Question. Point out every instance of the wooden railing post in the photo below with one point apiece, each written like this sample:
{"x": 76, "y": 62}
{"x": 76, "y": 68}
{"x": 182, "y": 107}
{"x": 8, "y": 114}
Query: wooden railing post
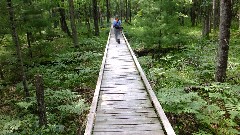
{"x": 40, "y": 100}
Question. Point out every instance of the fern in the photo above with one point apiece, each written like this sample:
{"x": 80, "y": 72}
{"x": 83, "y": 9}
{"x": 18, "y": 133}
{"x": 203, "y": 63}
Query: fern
{"x": 74, "y": 108}
{"x": 24, "y": 105}
{"x": 8, "y": 125}
{"x": 177, "y": 101}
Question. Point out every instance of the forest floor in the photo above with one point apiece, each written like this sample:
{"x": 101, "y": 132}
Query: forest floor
{"x": 69, "y": 75}
{"x": 181, "y": 70}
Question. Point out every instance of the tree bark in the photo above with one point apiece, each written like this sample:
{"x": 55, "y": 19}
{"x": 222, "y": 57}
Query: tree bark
{"x": 29, "y": 35}
{"x": 17, "y": 44}
{"x": 40, "y": 100}
{"x": 87, "y": 20}
{"x": 1, "y": 72}
{"x": 54, "y": 14}
{"x": 73, "y": 25}
{"x": 130, "y": 10}
{"x": 95, "y": 17}
{"x": 63, "y": 22}
{"x": 239, "y": 19}
{"x": 215, "y": 15}
{"x": 121, "y": 10}
{"x": 100, "y": 17}
{"x": 206, "y": 23}
{"x": 126, "y": 10}
{"x": 224, "y": 37}
{"x": 193, "y": 14}
{"x": 108, "y": 11}
{"x": 181, "y": 18}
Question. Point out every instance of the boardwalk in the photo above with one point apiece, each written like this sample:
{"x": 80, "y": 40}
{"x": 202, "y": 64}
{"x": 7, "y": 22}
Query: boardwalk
{"x": 123, "y": 105}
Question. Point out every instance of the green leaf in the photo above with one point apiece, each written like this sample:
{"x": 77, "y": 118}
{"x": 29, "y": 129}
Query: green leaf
{"x": 24, "y": 105}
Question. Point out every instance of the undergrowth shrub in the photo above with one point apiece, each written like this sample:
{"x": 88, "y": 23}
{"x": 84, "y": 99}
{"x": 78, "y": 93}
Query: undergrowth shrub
{"x": 183, "y": 81}
{"x": 69, "y": 76}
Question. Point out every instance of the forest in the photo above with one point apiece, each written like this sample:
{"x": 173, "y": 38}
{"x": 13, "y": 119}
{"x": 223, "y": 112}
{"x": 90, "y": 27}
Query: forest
{"x": 51, "y": 53}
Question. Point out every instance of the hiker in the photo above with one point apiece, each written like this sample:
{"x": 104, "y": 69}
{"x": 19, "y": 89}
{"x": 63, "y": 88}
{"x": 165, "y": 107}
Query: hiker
{"x": 117, "y": 28}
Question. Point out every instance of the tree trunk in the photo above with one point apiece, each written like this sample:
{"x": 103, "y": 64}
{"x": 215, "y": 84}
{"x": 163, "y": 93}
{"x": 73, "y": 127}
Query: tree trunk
{"x": 108, "y": 11}
{"x": 206, "y": 23}
{"x": 181, "y": 18}
{"x": 130, "y": 10}
{"x": 126, "y": 10}
{"x": 239, "y": 19}
{"x": 100, "y": 17}
{"x": 224, "y": 37}
{"x": 214, "y": 15}
{"x": 87, "y": 20}
{"x": 121, "y": 10}
{"x": 73, "y": 25}
{"x": 95, "y": 17}
{"x": 40, "y": 100}
{"x": 29, "y": 35}
{"x": 193, "y": 13}
{"x": 17, "y": 44}
{"x": 1, "y": 72}
{"x": 90, "y": 11}
{"x": 63, "y": 22}
{"x": 54, "y": 14}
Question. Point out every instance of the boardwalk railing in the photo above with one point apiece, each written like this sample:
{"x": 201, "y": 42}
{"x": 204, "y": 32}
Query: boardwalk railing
{"x": 92, "y": 114}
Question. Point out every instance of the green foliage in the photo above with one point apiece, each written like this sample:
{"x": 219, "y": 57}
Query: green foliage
{"x": 74, "y": 108}
{"x": 181, "y": 102}
{"x": 183, "y": 78}
{"x": 24, "y": 105}
{"x": 64, "y": 71}
{"x": 4, "y": 20}
{"x": 8, "y": 126}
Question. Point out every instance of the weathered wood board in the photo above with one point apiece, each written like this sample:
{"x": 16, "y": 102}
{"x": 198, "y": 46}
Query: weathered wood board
{"x": 124, "y": 107}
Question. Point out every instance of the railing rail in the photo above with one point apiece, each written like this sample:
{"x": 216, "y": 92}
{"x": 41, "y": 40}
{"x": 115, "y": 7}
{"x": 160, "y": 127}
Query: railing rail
{"x": 93, "y": 108}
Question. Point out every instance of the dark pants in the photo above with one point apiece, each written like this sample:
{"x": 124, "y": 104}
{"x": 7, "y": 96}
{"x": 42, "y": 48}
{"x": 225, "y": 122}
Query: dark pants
{"x": 117, "y": 34}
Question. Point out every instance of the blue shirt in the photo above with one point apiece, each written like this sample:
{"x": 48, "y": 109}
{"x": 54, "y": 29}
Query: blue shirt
{"x": 115, "y": 23}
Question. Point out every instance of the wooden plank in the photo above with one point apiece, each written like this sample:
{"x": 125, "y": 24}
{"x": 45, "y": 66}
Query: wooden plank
{"x": 124, "y": 128}
{"x": 126, "y": 122}
{"x": 121, "y": 106}
{"x": 125, "y": 95}
{"x": 109, "y": 79}
{"x": 122, "y": 88}
{"x": 167, "y": 126}
{"x": 123, "y": 82}
{"x": 123, "y": 98}
{"x": 123, "y": 91}
{"x": 148, "y": 114}
{"x": 127, "y": 117}
{"x": 130, "y": 119}
{"x": 156, "y": 132}
{"x": 125, "y": 111}
{"x": 137, "y": 127}
{"x": 133, "y": 102}
{"x": 135, "y": 85}
{"x": 92, "y": 113}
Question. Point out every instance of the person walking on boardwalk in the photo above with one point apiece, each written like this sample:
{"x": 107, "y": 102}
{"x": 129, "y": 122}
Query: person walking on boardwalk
{"x": 117, "y": 28}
